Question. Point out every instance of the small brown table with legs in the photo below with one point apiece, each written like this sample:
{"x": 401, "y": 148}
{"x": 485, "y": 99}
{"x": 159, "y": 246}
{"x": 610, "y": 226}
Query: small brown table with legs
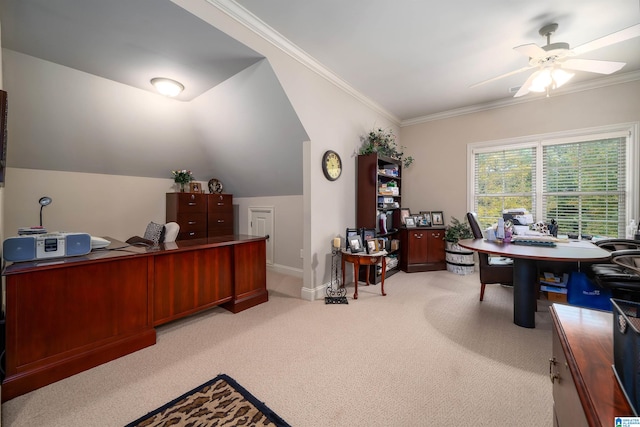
{"x": 363, "y": 258}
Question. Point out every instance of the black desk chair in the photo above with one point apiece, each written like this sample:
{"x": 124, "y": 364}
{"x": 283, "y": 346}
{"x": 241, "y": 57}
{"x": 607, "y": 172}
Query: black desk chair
{"x": 621, "y": 276}
{"x": 492, "y": 269}
{"x": 618, "y": 244}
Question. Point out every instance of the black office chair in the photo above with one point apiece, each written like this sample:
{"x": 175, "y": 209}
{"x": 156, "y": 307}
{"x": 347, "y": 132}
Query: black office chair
{"x": 499, "y": 270}
{"x": 621, "y": 276}
{"x": 618, "y": 244}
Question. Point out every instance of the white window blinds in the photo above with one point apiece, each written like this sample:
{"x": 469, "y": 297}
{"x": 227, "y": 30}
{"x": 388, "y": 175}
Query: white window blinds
{"x": 584, "y": 186}
{"x": 586, "y": 180}
{"x": 504, "y": 179}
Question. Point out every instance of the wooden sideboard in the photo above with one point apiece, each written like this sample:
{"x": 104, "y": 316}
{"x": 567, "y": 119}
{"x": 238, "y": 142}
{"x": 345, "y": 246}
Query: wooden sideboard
{"x": 200, "y": 215}
{"x": 585, "y": 389}
{"x": 422, "y": 249}
{"x": 67, "y": 315}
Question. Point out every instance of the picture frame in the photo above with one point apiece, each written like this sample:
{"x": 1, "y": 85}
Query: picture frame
{"x": 367, "y": 234}
{"x": 404, "y": 213}
{"x": 355, "y": 244}
{"x": 372, "y": 246}
{"x": 194, "y": 187}
{"x": 410, "y": 222}
{"x": 426, "y": 218}
{"x": 437, "y": 218}
{"x": 348, "y": 234}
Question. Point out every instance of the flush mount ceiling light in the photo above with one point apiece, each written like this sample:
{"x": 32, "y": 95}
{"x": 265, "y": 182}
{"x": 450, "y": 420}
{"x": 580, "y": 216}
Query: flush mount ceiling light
{"x": 166, "y": 86}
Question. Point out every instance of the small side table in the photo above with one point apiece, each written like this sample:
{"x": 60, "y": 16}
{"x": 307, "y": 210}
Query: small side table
{"x": 363, "y": 258}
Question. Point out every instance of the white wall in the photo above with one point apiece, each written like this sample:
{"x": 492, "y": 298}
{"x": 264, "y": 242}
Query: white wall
{"x": 287, "y": 227}
{"x": 438, "y": 178}
{"x": 334, "y": 120}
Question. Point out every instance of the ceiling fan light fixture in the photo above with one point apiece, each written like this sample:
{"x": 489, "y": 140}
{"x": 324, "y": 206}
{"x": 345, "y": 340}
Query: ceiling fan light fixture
{"x": 167, "y": 87}
{"x": 541, "y": 81}
{"x": 560, "y": 77}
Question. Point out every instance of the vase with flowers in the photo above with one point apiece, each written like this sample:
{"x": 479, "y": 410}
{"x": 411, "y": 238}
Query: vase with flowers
{"x": 182, "y": 178}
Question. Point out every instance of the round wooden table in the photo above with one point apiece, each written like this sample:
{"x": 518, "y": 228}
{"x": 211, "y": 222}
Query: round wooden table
{"x": 363, "y": 258}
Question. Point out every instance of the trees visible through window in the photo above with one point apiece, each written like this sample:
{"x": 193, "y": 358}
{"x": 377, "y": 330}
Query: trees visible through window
{"x": 581, "y": 182}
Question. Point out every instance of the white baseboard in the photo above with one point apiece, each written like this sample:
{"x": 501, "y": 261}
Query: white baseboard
{"x": 283, "y": 269}
{"x": 312, "y": 294}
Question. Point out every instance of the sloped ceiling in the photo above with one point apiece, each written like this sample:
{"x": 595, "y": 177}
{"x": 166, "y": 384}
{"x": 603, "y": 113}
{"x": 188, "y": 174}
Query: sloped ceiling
{"x": 73, "y": 71}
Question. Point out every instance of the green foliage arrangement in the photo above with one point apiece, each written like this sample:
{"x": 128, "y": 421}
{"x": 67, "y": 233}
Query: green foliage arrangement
{"x": 383, "y": 142}
{"x": 457, "y": 231}
{"x": 182, "y": 177}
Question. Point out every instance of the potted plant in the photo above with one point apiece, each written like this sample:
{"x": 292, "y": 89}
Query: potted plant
{"x": 459, "y": 260}
{"x": 381, "y": 141}
{"x": 182, "y": 178}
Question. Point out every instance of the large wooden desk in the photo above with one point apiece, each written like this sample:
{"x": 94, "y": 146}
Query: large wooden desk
{"x": 525, "y": 273}
{"x": 585, "y": 389}
{"x": 66, "y": 315}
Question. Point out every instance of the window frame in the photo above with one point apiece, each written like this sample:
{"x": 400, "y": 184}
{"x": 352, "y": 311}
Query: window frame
{"x": 632, "y": 161}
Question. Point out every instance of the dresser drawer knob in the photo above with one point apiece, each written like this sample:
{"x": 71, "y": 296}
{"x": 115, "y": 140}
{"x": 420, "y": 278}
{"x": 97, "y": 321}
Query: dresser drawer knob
{"x": 192, "y": 222}
{"x": 192, "y": 203}
{"x": 220, "y": 220}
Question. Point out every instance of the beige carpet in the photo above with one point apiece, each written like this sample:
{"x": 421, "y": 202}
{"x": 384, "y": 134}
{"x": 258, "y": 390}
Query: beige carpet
{"x": 427, "y": 354}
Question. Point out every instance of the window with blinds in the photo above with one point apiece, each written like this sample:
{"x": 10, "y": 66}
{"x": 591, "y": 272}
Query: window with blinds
{"x": 586, "y": 183}
{"x": 504, "y": 179}
{"x": 583, "y": 186}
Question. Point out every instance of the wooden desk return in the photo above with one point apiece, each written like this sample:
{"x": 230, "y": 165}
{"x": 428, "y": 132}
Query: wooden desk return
{"x": 363, "y": 258}
{"x": 525, "y": 268}
{"x": 585, "y": 389}
{"x": 66, "y": 315}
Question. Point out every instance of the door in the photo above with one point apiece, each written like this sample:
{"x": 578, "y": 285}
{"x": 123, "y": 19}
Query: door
{"x": 261, "y": 224}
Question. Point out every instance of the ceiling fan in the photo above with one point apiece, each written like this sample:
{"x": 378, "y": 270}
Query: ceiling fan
{"x": 554, "y": 62}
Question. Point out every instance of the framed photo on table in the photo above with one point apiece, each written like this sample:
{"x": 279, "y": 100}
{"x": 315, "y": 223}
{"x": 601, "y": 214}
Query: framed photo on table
{"x": 410, "y": 222}
{"x": 367, "y": 234}
{"x": 437, "y": 218}
{"x": 348, "y": 234}
{"x": 372, "y": 246}
{"x": 355, "y": 244}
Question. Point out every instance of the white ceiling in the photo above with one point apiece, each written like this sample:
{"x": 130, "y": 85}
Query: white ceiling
{"x": 418, "y": 58}
{"x": 413, "y": 58}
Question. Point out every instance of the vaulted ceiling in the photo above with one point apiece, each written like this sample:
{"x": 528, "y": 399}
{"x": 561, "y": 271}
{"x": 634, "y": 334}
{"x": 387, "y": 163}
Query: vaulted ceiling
{"x": 412, "y": 59}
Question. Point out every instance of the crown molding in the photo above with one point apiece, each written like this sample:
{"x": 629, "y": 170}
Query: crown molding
{"x": 578, "y": 87}
{"x": 259, "y": 27}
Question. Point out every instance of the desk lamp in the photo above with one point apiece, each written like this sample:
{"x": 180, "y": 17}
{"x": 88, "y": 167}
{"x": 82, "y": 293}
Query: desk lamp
{"x": 44, "y": 201}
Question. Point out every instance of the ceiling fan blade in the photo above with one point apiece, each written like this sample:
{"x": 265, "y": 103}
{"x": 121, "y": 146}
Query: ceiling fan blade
{"x": 501, "y": 76}
{"x": 593, "y": 65}
{"x": 524, "y": 89}
{"x": 617, "y": 37}
{"x": 531, "y": 50}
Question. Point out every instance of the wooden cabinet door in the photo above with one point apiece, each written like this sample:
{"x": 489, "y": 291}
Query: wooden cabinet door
{"x": 186, "y": 282}
{"x": 418, "y": 250}
{"x": 436, "y": 246}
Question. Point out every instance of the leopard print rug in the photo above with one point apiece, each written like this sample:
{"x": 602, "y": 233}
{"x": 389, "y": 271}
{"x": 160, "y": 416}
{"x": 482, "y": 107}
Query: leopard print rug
{"x": 219, "y": 402}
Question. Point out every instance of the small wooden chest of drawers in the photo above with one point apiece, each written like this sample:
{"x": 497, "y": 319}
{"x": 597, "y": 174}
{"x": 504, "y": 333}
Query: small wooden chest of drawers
{"x": 200, "y": 215}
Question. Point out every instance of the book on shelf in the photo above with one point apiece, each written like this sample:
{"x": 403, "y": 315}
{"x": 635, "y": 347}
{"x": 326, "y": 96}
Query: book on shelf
{"x": 555, "y": 289}
{"x": 555, "y": 280}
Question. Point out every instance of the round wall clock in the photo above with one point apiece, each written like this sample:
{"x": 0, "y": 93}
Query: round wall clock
{"x": 331, "y": 165}
{"x": 215, "y": 186}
